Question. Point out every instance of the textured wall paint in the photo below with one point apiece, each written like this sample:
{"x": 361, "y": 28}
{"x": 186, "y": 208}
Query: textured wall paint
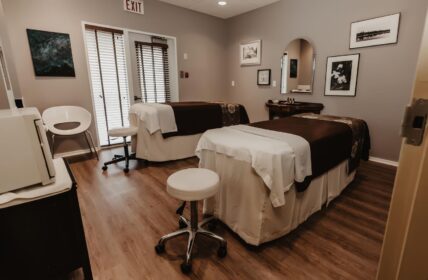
{"x": 386, "y": 72}
{"x": 201, "y": 36}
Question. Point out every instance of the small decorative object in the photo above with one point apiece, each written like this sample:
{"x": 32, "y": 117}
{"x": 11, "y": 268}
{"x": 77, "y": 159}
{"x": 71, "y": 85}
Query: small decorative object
{"x": 373, "y": 32}
{"x": 51, "y": 53}
{"x": 341, "y": 75}
{"x": 134, "y": 6}
{"x": 251, "y": 53}
{"x": 263, "y": 77}
{"x": 293, "y": 68}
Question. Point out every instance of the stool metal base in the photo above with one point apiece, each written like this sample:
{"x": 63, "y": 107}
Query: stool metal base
{"x": 118, "y": 158}
{"x": 193, "y": 229}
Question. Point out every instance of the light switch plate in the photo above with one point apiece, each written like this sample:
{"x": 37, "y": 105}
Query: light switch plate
{"x": 185, "y": 56}
{"x": 274, "y": 83}
{"x": 233, "y": 83}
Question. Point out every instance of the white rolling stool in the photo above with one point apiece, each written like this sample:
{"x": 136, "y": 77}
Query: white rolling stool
{"x": 122, "y": 132}
{"x": 192, "y": 185}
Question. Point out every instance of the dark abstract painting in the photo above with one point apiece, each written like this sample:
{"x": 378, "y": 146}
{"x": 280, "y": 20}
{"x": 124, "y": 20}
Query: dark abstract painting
{"x": 51, "y": 53}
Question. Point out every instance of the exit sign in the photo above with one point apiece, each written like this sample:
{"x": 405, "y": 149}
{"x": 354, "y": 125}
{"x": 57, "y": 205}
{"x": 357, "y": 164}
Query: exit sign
{"x": 134, "y": 6}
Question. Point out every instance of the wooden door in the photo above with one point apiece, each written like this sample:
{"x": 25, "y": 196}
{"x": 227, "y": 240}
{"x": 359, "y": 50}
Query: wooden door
{"x": 405, "y": 249}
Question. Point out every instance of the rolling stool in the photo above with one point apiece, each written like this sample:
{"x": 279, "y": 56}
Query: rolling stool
{"x": 192, "y": 185}
{"x": 122, "y": 132}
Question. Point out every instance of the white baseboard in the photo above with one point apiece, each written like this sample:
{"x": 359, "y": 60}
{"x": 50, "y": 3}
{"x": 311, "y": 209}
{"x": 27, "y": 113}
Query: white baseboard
{"x": 384, "y": 161}
{"x": 74, "y": 153}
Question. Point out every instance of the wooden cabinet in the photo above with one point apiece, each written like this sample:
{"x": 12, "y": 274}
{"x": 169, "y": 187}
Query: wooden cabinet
{"x": 43, "y": 239}
{"x": 282, "y": 109}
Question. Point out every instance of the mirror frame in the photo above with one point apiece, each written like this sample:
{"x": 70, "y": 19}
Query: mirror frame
{"x": 285, "y": 52}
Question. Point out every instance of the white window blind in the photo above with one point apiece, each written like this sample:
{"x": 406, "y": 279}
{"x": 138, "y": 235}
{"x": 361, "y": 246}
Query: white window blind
{"x": 107, "y": 63}
{"x": 153, "y": 71}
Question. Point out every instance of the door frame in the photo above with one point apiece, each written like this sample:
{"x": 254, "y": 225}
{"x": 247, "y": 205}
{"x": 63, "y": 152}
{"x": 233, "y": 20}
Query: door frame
{"x": 173, "y": 65}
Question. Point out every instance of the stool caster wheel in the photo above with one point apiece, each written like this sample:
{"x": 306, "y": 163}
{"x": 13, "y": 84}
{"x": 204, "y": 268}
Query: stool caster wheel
{"x": 212, "y": 225}
{"x": 186, "y": 268}
{"x": 126, "y": 170}
{"x": 222, "y": 251}
{"x": 104, "y": 168}
{"x": 159, "y": 249}
{"x": 182, "y": 224}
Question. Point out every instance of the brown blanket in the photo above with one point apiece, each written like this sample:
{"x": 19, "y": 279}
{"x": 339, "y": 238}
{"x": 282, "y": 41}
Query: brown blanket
{"x": 197, "y": 117}
{"x": 331, "y": 142}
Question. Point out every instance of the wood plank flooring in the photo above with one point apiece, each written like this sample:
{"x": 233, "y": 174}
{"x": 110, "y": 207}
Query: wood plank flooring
{"x": 125, "y": 215}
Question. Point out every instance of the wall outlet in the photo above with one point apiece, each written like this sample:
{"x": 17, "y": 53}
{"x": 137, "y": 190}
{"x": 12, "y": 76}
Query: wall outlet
{"x": 274, "y": 83}
{"x": 185, "y": 56}
{"x": 233, "y": 83}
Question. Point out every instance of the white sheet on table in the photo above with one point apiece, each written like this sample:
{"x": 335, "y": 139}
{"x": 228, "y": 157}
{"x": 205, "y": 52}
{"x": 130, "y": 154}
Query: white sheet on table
{"x": 156, "y": 116}
{"x": 272, "y": 159}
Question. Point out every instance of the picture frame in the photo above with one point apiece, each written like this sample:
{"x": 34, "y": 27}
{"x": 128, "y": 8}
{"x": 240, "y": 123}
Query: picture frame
{"x": 51, "y": 53}
{"x": 375, "y": 32}
{"x": 294, "y": 68}
{"x": 342, "y": 75}
{"x": 251, "y": 53}
{"x": 263, "y": 77}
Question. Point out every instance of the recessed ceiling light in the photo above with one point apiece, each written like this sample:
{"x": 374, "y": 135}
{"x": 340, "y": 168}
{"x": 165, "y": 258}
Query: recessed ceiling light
{"x": 222, "y": 3}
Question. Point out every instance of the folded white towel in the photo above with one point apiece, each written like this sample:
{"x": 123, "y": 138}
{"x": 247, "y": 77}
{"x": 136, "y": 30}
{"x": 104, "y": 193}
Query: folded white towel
{"x": 155, "y": 116}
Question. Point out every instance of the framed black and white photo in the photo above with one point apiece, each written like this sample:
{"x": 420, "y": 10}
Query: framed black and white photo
{"x": 263, "y": 77}
{"x": 293, "y": 68}
{"x": 342, "y": 75}
{"x": 374, "y": 32}
{"x": 251, "y": 53}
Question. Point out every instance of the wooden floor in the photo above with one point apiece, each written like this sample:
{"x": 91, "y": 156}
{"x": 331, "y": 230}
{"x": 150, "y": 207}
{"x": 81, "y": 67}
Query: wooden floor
{"x": 125, "y": 215}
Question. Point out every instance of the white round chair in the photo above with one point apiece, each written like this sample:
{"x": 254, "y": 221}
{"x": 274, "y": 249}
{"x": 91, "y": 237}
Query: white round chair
{"x": 61, "y": 115}
{"x": 192, "y": 185}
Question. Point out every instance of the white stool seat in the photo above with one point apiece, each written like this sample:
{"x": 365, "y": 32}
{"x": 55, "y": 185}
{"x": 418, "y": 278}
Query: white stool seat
{"x": 123, "y": 131}
{"x": 193, "y": 184}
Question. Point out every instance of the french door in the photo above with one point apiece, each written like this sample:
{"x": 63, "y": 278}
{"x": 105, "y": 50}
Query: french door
{"x": 108, "y": 73}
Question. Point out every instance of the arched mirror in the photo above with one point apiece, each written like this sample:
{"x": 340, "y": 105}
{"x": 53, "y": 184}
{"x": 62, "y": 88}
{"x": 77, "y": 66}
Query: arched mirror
{"x": 298, "y": 67}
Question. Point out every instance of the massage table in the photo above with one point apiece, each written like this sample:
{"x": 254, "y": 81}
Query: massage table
{"x": 171, "y": 131}
{"x": 272, "y": 180}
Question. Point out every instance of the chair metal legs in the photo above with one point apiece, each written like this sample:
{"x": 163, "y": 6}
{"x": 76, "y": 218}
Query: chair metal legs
{"x": 89, "y": 141}
{"x": 87, "y": 132}
{"x": 193, "y": 229}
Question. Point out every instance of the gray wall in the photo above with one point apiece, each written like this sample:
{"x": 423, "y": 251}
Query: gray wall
{"x": 201, "y": 36}
{"x": 386, "y": 72}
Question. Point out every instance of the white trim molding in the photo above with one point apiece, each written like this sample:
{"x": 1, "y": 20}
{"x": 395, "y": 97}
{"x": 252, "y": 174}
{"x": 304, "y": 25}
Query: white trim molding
{"x": 384, "y": 161}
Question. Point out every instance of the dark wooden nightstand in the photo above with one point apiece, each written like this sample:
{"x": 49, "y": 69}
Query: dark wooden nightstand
{"x": 283, "y": 109}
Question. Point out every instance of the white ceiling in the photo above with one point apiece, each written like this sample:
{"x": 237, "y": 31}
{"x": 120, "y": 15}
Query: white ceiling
{"x": 211, "y": 7}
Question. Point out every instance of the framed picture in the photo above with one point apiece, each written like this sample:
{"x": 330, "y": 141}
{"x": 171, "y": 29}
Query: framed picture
{"x": 263, "y": 77}
{"x": 374, "y": 32}
{"x": 341, "y": 75}
{"x": 51, "y": 53}
{"x": 251, "y": 53}
{"x": 293, "y": 68}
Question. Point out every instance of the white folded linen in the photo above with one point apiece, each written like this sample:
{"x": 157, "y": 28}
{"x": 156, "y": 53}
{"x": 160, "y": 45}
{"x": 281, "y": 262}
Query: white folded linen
{"x": 62, "y": 183}
{"x": 271, "y": 154}
{"x": 156, "y": 116}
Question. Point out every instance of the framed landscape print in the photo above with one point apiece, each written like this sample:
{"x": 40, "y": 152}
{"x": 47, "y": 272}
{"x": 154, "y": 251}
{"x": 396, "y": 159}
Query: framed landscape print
{"x": 263, "y": 77}
{"x": 374, "y": 32}
{"x": 51, "y": 53}
{"x": 342, "y": 75}
{"x": 251, "y": 53}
